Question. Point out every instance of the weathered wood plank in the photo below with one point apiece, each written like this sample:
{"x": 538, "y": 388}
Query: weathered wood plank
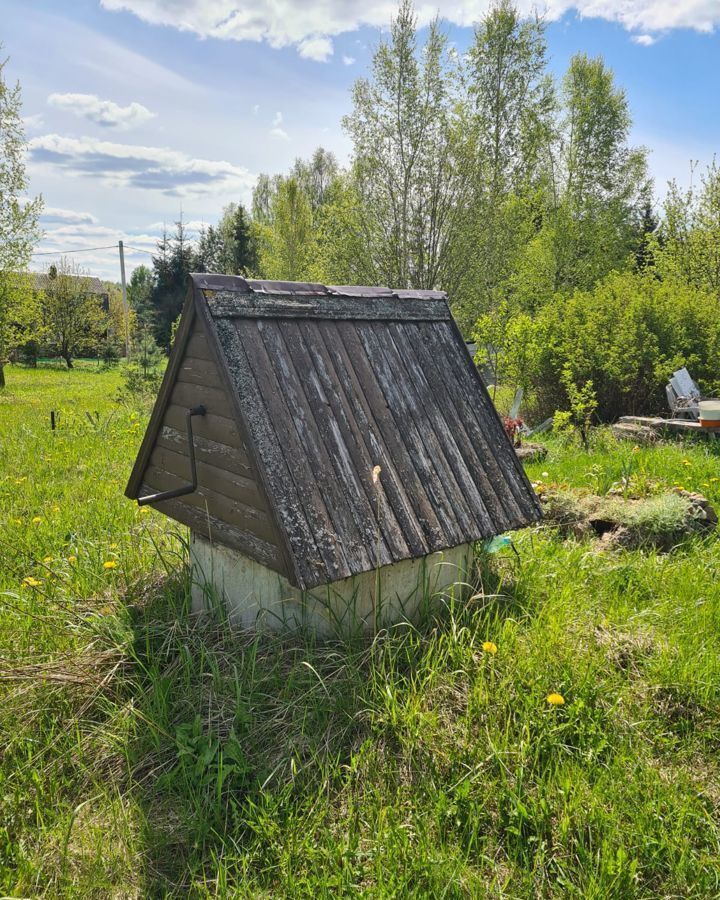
{"x": 188, "y": 324}
{"x": 199, "y": 371}
{"x": 215, "y": 400}
{"x": 217, "y": 530}
{"x": 443, "y": 426}
{"x": 228, "y": 484}
{"x": 301, "y": 464}
{"x": 349, "y": 507}
{"x": 209, "y": 427}
{"x": 478, "y": 456}
{"x": 212, "y": 452}
{"x": 397, "y": 459}
{"x": 359, "y": 443}
{"x": 309, "y": 569}
{"x": 253, "y": 306}
{"x": 198, "y": 346}
{"x": 418, "y": 434}
{"x": 242, "y": 516}
{"x": 479, "y": 408}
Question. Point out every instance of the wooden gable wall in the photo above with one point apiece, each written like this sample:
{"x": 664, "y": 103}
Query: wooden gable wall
{"x": 230, "y": 504}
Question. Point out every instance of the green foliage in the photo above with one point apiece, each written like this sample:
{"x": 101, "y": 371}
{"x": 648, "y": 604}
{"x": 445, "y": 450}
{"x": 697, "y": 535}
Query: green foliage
{"x": 285, "y": 246}
{"x": 687, "y": 247}
{"x": 19, "y": 227}
{"x": 141, "y": 378}
{"x": 72, "y": 317}
{"x": 407, "y": 170}
{"x": 145, "y": 753}
{"x": 626, "y": 336}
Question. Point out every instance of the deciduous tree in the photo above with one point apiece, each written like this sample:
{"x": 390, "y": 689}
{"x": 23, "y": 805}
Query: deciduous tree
{"x": 18, "y": 217}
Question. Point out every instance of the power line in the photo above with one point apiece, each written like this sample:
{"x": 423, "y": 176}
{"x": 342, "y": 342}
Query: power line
{"x": 138, "y": 250}
{"x": 63, "y": 252}
{"x": 89, "y": 250}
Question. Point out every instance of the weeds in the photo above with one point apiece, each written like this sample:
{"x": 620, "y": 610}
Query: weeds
{"x": 145, "y": 753}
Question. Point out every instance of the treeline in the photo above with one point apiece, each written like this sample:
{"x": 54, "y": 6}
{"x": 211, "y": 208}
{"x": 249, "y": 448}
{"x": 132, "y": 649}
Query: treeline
{"x": 518, "y": 193}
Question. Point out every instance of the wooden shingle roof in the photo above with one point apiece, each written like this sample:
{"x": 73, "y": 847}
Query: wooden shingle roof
{"x": 330, "y": 382}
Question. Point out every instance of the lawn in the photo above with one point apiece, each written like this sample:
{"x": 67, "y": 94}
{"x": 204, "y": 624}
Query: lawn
{"x": 144, "y": 755}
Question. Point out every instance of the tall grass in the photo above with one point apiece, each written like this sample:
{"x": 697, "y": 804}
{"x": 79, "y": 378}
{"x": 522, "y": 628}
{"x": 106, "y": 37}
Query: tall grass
{"x": 145, "y": 754}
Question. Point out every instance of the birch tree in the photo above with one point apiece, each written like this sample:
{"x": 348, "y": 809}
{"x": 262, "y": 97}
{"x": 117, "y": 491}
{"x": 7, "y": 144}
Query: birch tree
{"x": 407, "y": 155}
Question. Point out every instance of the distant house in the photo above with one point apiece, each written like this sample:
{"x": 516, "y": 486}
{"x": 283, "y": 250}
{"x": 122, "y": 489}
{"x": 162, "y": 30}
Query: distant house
{"x": 92, "y": 284}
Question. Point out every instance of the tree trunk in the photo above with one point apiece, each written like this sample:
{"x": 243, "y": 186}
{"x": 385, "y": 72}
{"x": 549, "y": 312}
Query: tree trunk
{"x": 2, "y": 375}
{"x": 68, "y": 361}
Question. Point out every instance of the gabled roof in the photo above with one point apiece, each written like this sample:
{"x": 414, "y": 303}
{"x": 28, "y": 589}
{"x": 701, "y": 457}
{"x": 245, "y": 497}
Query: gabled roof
{"x": 330, "y": 382}
{"x": 91, "y": 283}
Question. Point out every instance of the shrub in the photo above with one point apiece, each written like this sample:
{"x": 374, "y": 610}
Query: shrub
{"x": 625, "y": 337}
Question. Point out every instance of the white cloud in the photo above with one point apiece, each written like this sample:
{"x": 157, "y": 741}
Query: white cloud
{"x": 348, "y": 60}
{"x": 51, "y": 214}
{"x": 33, "y": 123}
{"x": 318, "y": 48}
{"x": 277, "y": 130}
{"x": 645, "y": 40}
{"x": 310, "y": 26}
{"x": 256, "y": 109}
{"x": 102, "y": 112}
{"x": 145, "y": 168}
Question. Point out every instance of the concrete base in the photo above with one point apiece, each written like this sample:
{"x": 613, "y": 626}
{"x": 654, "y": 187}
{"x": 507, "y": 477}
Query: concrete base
{"x": 257, "y": 597}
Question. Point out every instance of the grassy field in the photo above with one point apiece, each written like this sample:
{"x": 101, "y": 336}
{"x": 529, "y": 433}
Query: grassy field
{"x": 142, "y": 755}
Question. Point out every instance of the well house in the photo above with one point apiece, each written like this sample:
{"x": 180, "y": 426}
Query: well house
{"x": 332, "y": 449}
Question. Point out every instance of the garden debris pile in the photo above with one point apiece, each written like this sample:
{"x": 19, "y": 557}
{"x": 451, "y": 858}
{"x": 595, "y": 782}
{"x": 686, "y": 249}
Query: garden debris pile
{"x": 661, "y": 521}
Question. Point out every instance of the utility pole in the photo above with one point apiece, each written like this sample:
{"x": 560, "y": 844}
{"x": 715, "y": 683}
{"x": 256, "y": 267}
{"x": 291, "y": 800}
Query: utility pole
{"x": 126, "y": 311}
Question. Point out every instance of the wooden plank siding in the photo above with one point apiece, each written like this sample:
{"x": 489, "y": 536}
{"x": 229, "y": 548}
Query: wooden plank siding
{"x": 229, "y": 504}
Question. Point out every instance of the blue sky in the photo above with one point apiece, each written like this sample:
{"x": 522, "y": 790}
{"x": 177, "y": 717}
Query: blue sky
{"x": 183, "y": 102}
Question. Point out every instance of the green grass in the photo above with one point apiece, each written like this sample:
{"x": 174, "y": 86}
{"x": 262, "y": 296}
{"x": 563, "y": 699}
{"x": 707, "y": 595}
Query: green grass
{"x": 143, "y": 755}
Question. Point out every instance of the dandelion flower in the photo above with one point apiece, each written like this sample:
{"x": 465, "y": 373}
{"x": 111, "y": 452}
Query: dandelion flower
{"x": 490, "y": 648}
{"x": 686, "y": 462}
{"x": 47, "y": 559}
{"x": 376, "y": 474}
{"x": 18, "y": 521}
{"x": 545, "y": 474}
{"x": 555, "y": 699}
{"x": 31, "y": 582}
{"x": 56, "y": 509}
{"x": 113, "y": 546}
{"x": 36, "y": 520}
{"x": 72, "y": 559}
{"x": 110, "y": 564}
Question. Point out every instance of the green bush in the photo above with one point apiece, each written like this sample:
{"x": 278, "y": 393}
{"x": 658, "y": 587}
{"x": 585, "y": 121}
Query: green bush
{"x": 626, "y": 337}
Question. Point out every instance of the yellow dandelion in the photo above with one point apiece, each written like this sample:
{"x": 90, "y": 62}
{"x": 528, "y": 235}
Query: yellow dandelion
{"x": 31, "y": 582}
{"x": 36, "y": 520}
{"x": 489, "y": 647}
{"x": 110, "y": 564}
{"x": 555, "y": 699}
{"x": 17, "y": 521}
{"x": 143, "y": 509}
{"x": 20, "y": 480}
{"x": 47, "y": 559}
{"x": 113, "y": 546}
{"x": 72, "y": 559}
{"x": 56, "y": 509}
{"x": 686, "y": 462}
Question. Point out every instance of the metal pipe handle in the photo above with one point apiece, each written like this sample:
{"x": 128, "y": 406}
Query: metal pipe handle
{"x": 186, "y": 488}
